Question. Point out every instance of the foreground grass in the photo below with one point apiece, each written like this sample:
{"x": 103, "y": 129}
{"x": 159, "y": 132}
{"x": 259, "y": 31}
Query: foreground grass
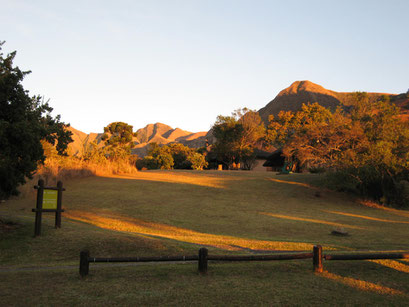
{"x": 249, "y": 284}
{"x": 174, "y": 213}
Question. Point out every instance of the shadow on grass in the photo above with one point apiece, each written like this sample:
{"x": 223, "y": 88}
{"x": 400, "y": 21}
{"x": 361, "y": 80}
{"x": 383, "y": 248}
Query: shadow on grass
{"x": 117, "y": 222}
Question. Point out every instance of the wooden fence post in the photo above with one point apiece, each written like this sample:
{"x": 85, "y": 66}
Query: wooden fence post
{"x": 39, "y": 207}
{"x": 317, "y": 259}
{"x": 203, "y": 252}
{"x": 84, "y": 263}
{"x": 59, "y": 204}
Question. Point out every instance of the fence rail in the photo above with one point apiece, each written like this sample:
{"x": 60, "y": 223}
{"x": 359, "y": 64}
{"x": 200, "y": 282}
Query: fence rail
{"x": 366, "y": 256}
{"x": 144, "y": 259}
{"x": 291, "y": 256}
{"x": 203, "y": 257}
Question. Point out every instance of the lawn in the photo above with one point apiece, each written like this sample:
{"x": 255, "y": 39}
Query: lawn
{"x": 175, "y": 213}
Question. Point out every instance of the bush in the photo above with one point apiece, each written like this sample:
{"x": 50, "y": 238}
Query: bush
{"x": 197, "y": 161}
{"x": 370, "y": 182}
{"x": 172, "y": 156}
{"x": 317, "y": 170}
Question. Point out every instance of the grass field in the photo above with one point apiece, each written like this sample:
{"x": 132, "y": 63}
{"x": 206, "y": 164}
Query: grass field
{"x": 174, "y": 213}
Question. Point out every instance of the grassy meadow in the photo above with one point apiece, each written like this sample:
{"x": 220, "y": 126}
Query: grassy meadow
{"x": 153, "y": 213}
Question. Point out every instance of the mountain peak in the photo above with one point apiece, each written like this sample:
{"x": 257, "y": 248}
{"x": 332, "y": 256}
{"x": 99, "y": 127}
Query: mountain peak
{"x": 299, "y": 92}
{"x": 304, "y": 86}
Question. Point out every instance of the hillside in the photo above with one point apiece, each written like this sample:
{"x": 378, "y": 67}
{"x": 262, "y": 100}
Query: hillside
{"x": 152, "y": 133}
{"x": 292, "y": 98}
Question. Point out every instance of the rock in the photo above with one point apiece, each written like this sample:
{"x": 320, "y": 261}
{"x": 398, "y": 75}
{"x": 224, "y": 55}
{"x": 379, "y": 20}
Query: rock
{"x": 340, "y": 232}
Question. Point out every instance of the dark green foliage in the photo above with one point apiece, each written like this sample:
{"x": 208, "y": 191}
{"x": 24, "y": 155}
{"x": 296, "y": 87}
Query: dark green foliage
{"x": 24, "y": 122}
{"x": 158, "y": 158}
{"x": 236, "y": 137}
{"x": 118, "y": 139}
{"x": 171, "y": 156}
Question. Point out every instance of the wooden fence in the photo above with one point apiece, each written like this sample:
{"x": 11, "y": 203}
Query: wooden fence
{"x": 203, "y": 257}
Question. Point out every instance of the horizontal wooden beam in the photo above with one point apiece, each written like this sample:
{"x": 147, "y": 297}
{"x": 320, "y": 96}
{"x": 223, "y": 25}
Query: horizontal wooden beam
{"x": 366, "y": 256}
{"x": 47, "y": 210}
{"x": 36, "y": 187}
{"x": 144, "y": 259}
{"x": 261, "y": 257}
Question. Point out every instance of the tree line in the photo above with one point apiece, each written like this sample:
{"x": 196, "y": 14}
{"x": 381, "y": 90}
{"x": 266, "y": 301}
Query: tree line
{"x": 364, "y": 147}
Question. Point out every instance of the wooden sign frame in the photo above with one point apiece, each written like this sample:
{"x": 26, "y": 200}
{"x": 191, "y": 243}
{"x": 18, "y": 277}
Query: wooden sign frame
{"x": 39, "y": 207}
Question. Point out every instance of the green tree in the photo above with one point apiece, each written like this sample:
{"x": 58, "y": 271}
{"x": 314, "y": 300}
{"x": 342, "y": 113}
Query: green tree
{"x": 171, "y": 156}
{"x": 185, "y": 157}
{"x": 237, "y": 136}
{"x": 118, "y": 140}
{"x": 180, "y": 154}
{"x": 158, "y": 158}
{"x": 197, "y": 161}
{"x": 24, "y": 122}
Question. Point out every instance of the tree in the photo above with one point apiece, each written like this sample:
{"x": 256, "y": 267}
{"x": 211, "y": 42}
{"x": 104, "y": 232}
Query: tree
{"x": 24, "y": 122}
{"x": 237, "y": 136}
{"x": 158, "y": 158}
{"x": 185, "y": 157}
{"x": 171, "y": 156}
{"x": 118, "y": 140}
{"x": 366, "y": 145}
{"x": 198, "y": 161}
{"x": 180, "y": 154}
{"x": 315, "y": 137}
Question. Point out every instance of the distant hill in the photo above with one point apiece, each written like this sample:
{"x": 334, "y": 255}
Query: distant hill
{"x": 289, "y": 99}
{"x": 164, "y": 134}
{"x": 292, "y": 98}
{"x": 152, "y": 133}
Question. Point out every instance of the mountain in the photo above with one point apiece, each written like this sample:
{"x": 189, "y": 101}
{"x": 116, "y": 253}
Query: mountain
{"x": 289, "y": 99}
{"x": 164, "y": 134}
{"x": 152, "y": 133}
{"x": 292, "y": 98}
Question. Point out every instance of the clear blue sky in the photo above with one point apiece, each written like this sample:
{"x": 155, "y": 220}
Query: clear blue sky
{"x": 183, "y": 63}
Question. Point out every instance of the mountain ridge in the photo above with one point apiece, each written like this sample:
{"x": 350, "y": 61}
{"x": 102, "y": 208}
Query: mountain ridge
{"x": 288, "y": 99}
{"x": 152, "y": 133}
{"x": 305, "y": 91}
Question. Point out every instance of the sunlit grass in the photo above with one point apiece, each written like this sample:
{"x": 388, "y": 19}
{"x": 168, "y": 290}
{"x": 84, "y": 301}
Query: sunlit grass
{"x": 361, "y": 284}
{"x": 301, "y": 184}
{"x": 367, "y": 217}
{"x": 372, "y": 204}
{"x": 393, "y": 264}
{"x": 177, "y": 177}
{"x": 301, "y": 219}
{"x": 136, "y": 226}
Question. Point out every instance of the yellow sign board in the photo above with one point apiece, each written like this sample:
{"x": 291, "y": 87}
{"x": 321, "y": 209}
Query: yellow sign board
{"x": 50, "y": 199}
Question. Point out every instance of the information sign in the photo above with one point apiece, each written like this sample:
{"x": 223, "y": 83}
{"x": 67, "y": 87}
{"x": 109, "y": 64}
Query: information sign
{"x": 50, "y": 199}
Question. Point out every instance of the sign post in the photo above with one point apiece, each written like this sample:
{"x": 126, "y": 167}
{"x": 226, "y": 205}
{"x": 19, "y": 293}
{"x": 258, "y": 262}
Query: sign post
{"x": 49, "y": 199}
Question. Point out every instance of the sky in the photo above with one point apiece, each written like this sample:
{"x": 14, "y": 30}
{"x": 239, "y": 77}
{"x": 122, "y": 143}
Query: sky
{"x": 184, "y": 62}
